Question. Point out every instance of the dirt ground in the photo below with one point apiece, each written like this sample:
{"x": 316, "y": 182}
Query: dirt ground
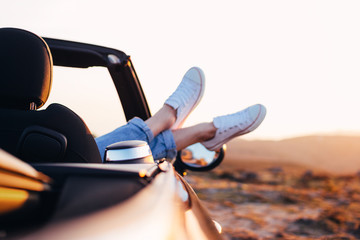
{"x": 274, "y": 203}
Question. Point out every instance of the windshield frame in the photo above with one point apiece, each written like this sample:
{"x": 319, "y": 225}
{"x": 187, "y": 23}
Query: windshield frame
{"x": 82, "y": 55}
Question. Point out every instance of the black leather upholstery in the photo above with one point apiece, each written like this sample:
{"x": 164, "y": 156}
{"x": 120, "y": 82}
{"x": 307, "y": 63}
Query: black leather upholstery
{"x": 25, "y": 69}
{"x": 55, "y": 134}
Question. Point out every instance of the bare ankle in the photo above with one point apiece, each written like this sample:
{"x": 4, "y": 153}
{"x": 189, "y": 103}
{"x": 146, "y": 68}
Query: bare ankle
{"x": 170, "y": 114}
{"x": 206, "y": 131}
{"x": 161, "y": 120}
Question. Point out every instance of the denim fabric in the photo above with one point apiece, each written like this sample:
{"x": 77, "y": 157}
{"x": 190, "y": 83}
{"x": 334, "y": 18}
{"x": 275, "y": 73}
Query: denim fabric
{"x": 162, "y": 145}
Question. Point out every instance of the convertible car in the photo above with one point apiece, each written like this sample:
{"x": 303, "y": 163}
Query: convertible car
{"x": 53, "y": 182}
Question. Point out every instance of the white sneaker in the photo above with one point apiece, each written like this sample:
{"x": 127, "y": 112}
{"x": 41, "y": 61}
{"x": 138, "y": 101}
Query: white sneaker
{"x": 236, "y": 124}
{"x": 187, "y": 95}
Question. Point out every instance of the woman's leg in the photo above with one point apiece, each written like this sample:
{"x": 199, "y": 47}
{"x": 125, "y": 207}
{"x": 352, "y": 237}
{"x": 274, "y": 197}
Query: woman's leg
{"x": 211, "y": 134}
{"x": 164, "y": 143}
{"x": 198, "y": 133}
{"x": 135, "y": 129}
{"x": 223, "y": 128}
{"x": 172, "y": 115}
{"x": 162, "y": 120}
{"x": 180, "y": 104}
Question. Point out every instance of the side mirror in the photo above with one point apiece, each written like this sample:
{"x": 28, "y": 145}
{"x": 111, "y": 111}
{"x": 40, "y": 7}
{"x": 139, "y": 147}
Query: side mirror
{"x": 197, "y": 158}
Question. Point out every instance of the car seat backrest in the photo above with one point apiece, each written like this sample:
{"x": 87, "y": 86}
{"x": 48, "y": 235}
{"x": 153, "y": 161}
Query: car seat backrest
{"x": 25, "y": 69}
{"x": 55, "y": 134}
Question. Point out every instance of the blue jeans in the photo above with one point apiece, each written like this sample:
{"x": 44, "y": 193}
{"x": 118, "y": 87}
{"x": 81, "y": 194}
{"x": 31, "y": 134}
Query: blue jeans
{"x": 162, "y": 145}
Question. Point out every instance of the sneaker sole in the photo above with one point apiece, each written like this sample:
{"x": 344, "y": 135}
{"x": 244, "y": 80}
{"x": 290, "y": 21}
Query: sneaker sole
{"x": 180, "y": 122}
{"x": 258, "y": 120}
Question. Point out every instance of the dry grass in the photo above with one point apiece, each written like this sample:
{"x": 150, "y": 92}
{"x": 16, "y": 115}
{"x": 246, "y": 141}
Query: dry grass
{"x": 272, "y": 203}
{"x": 265, "y": 190}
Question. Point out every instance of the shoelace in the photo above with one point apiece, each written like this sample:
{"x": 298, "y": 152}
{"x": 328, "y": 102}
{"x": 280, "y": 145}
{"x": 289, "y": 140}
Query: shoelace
{"x": 240, "y": 119}
{"x": 185, "y": 91}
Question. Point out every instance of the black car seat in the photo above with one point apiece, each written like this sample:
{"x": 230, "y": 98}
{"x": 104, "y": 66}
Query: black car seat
{"x": 55, "y": 134}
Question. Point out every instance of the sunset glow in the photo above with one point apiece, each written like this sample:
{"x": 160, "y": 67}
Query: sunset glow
{"x": 299, "y": 59}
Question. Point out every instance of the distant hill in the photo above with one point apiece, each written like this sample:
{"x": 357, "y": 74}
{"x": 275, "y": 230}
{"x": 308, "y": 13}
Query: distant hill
{"x": 334, "y": 154}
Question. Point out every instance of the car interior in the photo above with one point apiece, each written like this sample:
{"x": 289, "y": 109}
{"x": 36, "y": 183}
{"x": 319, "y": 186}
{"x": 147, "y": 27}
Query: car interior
{"x": 55, "y": 134}
{"x": 55, "y": 141}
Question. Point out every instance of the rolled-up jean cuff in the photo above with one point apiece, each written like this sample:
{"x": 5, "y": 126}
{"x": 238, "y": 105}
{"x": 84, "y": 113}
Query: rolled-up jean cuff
{"x": 169, "y": 142}
{"x": 138, "y": 122}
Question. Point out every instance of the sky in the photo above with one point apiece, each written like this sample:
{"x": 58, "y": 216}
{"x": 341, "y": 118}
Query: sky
{"x": 300, "y": 59}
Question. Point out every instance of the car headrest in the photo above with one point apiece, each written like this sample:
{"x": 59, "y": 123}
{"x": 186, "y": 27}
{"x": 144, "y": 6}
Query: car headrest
{"x": 25, "y": 69}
